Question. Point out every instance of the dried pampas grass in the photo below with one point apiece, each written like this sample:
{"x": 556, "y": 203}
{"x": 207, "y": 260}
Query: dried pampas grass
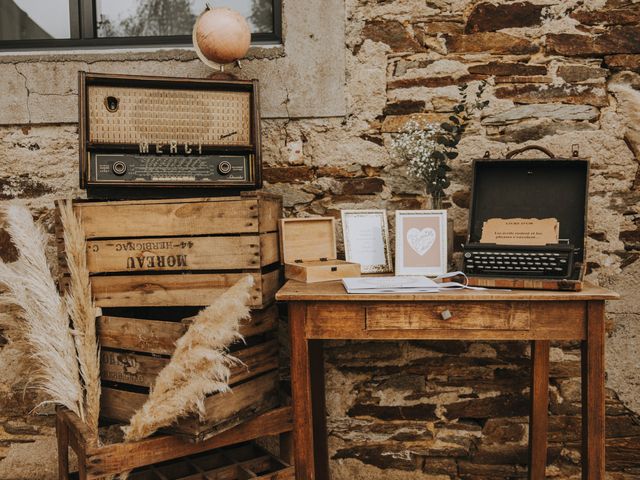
{"x": 31, "y": 286}
{"x": 199, "y": 365}
{"x": 81, "y": 310}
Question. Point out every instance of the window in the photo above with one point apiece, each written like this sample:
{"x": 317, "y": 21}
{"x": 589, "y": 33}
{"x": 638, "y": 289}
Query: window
{"x": 29, "y": 24}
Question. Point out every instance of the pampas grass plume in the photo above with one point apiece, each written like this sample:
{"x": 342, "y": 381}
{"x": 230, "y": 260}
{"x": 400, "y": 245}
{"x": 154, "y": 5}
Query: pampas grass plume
{"x": 81, "y": 310}
{"x": 199, "y": 365}
{"x": 31, "y": 286}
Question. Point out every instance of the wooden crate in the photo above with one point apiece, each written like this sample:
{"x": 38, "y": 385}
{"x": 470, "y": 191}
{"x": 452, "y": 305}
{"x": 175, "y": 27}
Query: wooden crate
{"x": 241, "y": 462}
{"x": 179, "y": 252}
{"x": 153, "y": 264}
{"x": 134, "y": 350}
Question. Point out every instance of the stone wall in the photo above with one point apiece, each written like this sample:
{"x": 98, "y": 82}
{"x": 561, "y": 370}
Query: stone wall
{"x": 349, "y": 76}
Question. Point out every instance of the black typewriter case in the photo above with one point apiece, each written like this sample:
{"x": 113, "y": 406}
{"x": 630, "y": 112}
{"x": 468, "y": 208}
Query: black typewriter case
{"x": 532, "y": 188}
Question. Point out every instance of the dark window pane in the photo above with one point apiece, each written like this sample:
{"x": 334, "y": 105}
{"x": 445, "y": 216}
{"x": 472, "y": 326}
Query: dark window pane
{"x": 34, "y": 19}
{"x": 143, "y": 18}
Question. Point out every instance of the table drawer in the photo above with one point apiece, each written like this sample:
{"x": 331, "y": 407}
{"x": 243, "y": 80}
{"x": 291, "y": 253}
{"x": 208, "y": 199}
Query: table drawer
{"x": 458, "y": 316}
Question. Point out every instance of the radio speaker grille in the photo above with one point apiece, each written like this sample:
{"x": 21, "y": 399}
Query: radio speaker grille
{"x": 119, "y": 115}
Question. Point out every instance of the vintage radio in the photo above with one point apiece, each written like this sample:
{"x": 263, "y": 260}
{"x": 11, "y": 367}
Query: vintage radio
{"x": 163, "y": 137}
{"x": 549, "y": 188}
{"x": 308, "y": 251}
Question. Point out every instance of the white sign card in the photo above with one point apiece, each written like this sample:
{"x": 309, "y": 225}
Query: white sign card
{"x": 421, "y": 242}
{"x": 366, "y": 240}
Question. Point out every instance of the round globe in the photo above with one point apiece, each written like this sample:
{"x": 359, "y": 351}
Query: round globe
{"x": 221, "y": 35}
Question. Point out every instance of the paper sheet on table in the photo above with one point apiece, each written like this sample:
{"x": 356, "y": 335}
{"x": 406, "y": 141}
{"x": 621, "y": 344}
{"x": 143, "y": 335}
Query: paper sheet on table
{"x": 404, "y": 284}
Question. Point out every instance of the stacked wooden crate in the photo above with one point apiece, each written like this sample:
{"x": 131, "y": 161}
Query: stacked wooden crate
{"x": 153, "y": 265}
{"x": 238, "y": 462}
{"x": 134, "y": 350}
{"x": 104, "y": 461}
{"x": 180, "y": 253}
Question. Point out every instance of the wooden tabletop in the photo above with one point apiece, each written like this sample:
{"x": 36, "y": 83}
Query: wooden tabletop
{"x": 334, "y": 291}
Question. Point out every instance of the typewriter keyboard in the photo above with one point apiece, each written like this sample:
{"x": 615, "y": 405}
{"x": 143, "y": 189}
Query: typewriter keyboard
{"x": 517, "y": 263}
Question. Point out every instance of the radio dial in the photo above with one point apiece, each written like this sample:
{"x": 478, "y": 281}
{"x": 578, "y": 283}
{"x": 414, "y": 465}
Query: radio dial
{"x": 224, "y": 167}
{"x": 119, "y": 168}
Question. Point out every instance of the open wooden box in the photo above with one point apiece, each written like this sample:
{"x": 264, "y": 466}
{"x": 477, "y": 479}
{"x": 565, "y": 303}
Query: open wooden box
{"x": 308, "y": 251}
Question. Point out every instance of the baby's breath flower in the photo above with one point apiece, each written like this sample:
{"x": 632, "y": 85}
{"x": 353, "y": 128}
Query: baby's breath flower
{"x": 418, "y": 146}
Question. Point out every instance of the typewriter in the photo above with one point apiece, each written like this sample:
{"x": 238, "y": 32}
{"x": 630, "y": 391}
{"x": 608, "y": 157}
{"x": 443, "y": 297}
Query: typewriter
{"x": 548, "y": 261}
{"x": 540, "y": 188}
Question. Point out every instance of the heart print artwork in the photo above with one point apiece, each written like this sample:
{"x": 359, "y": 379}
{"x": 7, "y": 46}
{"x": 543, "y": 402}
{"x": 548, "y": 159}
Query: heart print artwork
{"x": 421, "y": 241}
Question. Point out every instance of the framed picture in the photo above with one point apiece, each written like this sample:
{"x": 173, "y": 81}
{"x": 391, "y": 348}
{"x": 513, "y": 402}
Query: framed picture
{"x": 421, "y": 242}
{"x": 366, "y": 240}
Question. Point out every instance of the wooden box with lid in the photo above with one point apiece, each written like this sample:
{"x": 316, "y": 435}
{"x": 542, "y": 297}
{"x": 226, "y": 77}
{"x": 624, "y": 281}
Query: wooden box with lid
{"x": 308, "y": 251}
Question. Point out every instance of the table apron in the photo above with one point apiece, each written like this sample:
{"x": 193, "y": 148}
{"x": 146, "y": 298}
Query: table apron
{"x": 468, "y": 320}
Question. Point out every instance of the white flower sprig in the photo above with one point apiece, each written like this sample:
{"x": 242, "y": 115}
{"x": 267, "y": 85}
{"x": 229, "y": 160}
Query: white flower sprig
{"x": 420, "y": 146}
{"x": 416, "y": 145}
{"x": 427, "y": 149}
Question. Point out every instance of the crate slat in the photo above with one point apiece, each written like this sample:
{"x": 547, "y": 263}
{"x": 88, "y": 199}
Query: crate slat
{"x": 224, "y": 410}
{"x": 188, "y": 289}
{"x": 159, "y": 337}
{"x": 152, "y": 336}
{"x": 231, "y": 215}
{"x": 119, "y": 457}
{"x": 182, "y": 253}
{"x": 141, "y": 370}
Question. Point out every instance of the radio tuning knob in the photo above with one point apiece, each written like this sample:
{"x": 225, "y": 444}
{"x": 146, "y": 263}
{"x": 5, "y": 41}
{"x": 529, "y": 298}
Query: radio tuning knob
{"x": 119, "y": 168}
{"x": 224, "y": 168}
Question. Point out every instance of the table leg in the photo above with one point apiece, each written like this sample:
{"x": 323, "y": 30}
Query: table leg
{"x": 593, "y": 395}
{"x": 301, "y": 394}
{"x": 539, "y": 413}
{"x": 318, "y": 403}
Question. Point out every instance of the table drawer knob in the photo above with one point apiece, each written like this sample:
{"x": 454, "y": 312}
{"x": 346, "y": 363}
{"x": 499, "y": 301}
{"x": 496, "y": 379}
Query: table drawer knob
{"x": 446, "y": 315}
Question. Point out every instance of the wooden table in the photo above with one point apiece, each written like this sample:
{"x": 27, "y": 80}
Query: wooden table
{"x": 324, "y": 311}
